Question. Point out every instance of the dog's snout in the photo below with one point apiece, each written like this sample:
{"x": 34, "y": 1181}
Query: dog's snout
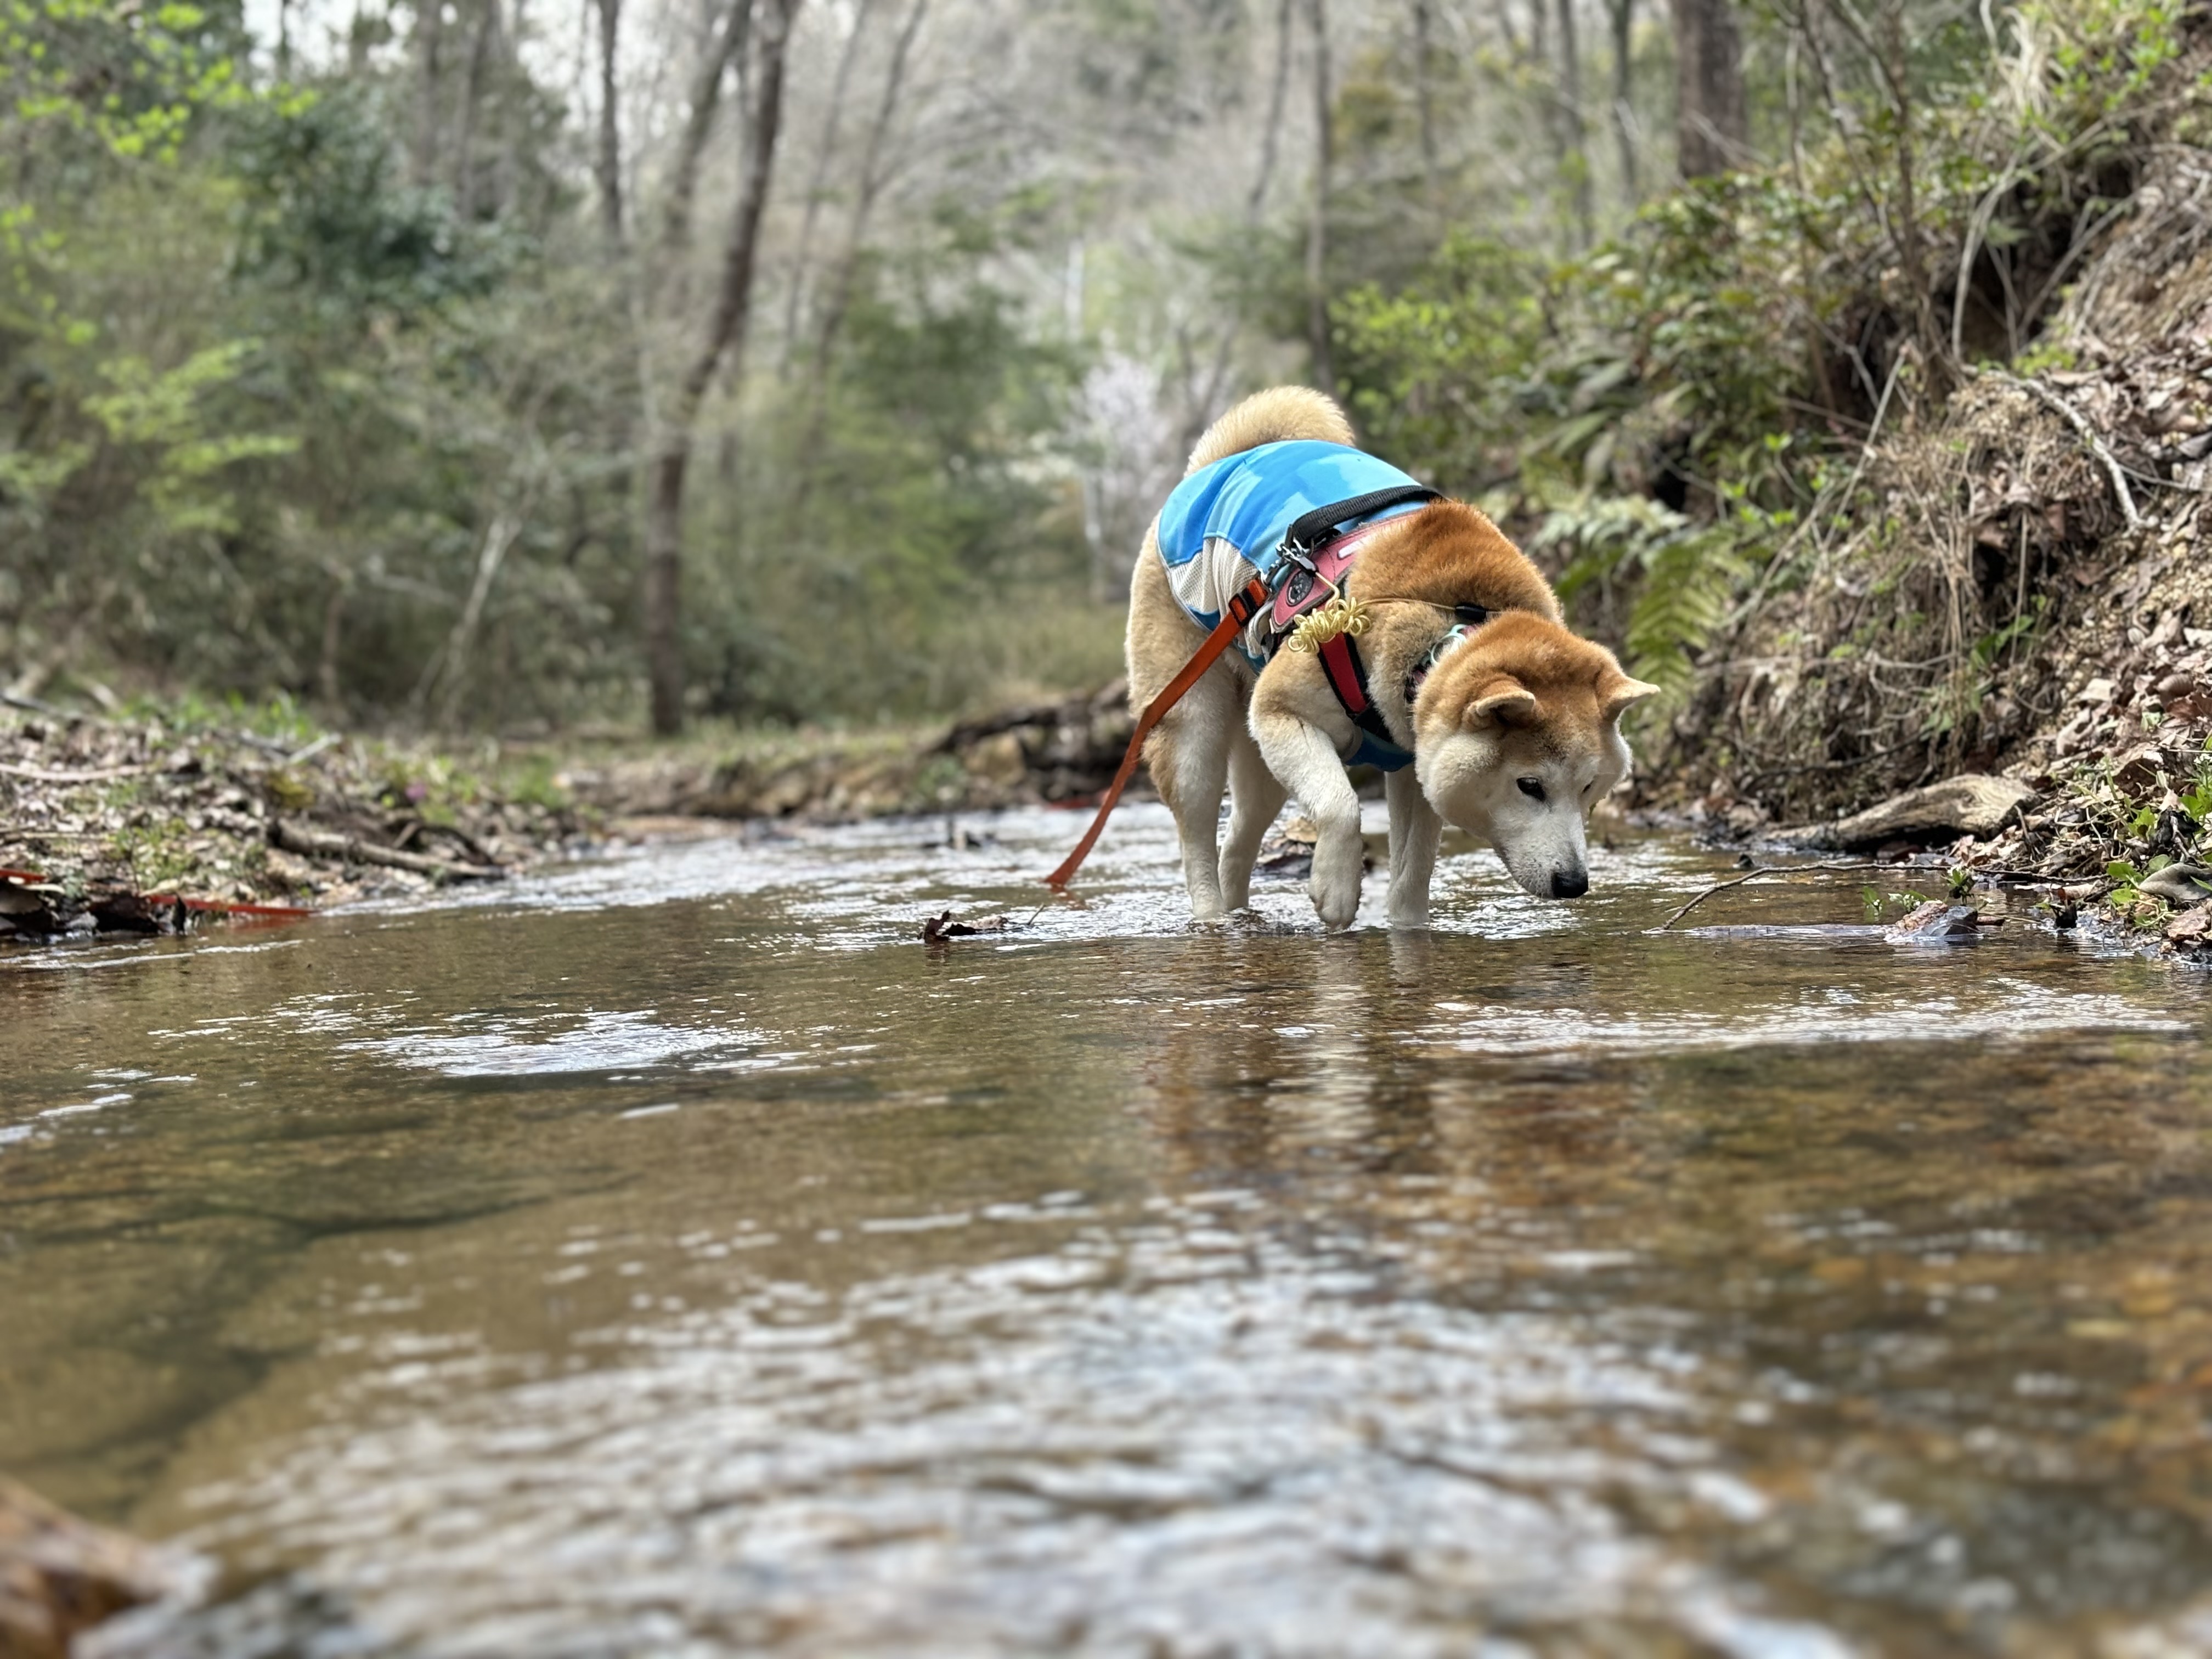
{"x": 1569, "y": 883}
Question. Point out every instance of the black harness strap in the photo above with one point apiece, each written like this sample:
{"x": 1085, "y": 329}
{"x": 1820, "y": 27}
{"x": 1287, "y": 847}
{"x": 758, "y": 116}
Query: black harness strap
{"x": 1309, "y": 532}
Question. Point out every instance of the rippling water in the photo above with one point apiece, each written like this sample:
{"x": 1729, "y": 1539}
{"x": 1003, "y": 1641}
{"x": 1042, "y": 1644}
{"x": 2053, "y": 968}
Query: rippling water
{"x": 674, "y": 1256}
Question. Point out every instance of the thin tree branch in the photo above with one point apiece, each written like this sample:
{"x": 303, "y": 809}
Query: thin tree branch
{"x": 2074, "y": 418}
{"x": 1754, "y": 874}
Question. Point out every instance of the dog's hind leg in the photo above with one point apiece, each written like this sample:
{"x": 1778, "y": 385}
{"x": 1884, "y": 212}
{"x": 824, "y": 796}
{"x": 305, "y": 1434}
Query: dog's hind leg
{"x": 1256, "y": 795}
{"x": 1415, "y": 829}
{"x": 1189, "y": 758}
{"x": 1188, "y": 753}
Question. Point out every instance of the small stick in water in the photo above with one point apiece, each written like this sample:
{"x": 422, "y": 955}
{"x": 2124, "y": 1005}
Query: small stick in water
{"x": 1753, "y": 874}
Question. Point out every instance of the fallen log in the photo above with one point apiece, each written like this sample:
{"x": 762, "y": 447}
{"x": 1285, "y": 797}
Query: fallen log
{"x": 351, "y": 849}
{"x": 1970, "y": 804}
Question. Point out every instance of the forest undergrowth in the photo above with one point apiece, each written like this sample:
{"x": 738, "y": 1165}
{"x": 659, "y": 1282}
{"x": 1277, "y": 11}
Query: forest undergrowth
{"x": 1886, "y": 461}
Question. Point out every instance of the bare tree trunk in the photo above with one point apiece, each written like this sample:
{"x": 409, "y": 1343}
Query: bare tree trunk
{"x": 1516, "y": 48}
{"x": 1199, "y": 398}
{"x": 1622, "y": 14}
{"x": 724, "y": 335}
{"x": 1317, "y": 335}
{"x": 1425, "y": 98}
{"x": 326, "y": 666}
{"x": 607, "y": 161}
{"x": 472, "y": 98}
{"x": 1933, "y": 349}
{"x": 1576, "y": 130}
{"x": 724, "y": 39}
{"x": 873, "y": 175}
{"x": 818, "y": 183}
{"x": 1271, "y": 136}
{"x": 451, "y": 665}
{"x": 1711, "y": 133}
{"x": 1550, "y": 106}
{"x": 429, "y": 31}
{"x": 506, "y": 169}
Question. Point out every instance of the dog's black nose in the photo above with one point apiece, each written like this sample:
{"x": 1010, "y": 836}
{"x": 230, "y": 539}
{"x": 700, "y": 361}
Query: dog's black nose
{"x": 1567, "y": 884}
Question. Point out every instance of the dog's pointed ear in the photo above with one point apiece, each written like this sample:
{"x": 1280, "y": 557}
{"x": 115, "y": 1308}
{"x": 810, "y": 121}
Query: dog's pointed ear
{"x": 1616, "y": 692}
{"x": 1505, "y": 701}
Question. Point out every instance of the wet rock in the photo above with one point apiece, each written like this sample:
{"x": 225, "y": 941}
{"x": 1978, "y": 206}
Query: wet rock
{"x": 2177, "y": 884}
{"x": 1972, "y": 803}
{"x": 1288, "y": 849}
{"x": 1057, "y": 751}
{"x": 937, "y": 929}
{"x": 59, "y": 1576}
{"x": 1938, "y": 923}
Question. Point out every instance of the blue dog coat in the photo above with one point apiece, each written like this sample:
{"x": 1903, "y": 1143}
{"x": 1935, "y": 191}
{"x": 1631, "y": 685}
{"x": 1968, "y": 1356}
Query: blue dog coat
{"x": 1223, "y": 523}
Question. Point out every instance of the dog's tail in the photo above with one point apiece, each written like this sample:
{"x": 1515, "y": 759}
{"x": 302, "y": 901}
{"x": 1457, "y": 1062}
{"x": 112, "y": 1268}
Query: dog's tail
{"x": 1270, "y": 416}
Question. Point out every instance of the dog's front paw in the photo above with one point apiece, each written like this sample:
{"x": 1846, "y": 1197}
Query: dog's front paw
{"x": 1337, "y": 867}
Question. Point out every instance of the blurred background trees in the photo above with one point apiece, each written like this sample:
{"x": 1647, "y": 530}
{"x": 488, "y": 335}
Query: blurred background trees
{"x": 479, "y": 363}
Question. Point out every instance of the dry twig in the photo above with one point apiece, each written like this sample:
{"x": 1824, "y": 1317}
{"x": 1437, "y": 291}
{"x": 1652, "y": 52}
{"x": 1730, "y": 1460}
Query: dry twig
{"x": 327, "y": 844}
{"x": 2074, "y": 418}
{"x": 95, "y": 774}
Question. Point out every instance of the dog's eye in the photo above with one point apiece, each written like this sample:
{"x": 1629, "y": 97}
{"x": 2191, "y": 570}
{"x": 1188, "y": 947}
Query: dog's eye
{"x": 1532, "y": 788}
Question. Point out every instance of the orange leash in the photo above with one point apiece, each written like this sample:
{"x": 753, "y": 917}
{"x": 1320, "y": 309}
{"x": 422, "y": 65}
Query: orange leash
{"x": 1243, "y": 607}
{"x": 225, "y": 907}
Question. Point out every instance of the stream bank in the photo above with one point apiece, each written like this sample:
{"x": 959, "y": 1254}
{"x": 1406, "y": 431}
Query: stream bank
{"x": 2007, "y": 582}
{"x": 140, "y": 823}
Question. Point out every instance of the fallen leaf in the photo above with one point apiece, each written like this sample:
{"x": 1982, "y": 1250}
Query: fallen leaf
{"x": 2190, "y": 926}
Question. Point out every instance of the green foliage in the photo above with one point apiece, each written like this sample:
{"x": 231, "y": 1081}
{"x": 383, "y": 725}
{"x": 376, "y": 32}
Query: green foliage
{"x": 1445, "y": 373}
{"x": 276, "y": 719}
{"x": 326, "y": 218}
{"x": 1669, "y": 408}
{"x": 286, "y": 405}
{"x": 1683, "y": 575}
{"x": 904, "y": 549}
{"x": 276, "y": 397}
{"x": 185, "y": 457}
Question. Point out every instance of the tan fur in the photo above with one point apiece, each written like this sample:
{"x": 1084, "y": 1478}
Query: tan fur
{"x": 1271, "y": 416}
{"x": 1202, "y": 746}
{"x": 1570, "y": 678}
{"x": 1283, "y": 729}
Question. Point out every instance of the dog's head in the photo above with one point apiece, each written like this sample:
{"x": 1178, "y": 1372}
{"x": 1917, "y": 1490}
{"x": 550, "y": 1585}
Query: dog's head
{"x": 1516, "y": 736}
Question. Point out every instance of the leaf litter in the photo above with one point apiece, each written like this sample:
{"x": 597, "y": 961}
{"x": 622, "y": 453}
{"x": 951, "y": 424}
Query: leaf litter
{"x": 152, "y": 825}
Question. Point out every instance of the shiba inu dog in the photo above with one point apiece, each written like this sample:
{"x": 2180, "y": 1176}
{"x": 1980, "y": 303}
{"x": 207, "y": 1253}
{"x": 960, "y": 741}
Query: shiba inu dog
{"x": 1509, "y": 722}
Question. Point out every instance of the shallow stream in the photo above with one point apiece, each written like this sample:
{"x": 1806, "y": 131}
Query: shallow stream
{"x": 674, "y": 1256}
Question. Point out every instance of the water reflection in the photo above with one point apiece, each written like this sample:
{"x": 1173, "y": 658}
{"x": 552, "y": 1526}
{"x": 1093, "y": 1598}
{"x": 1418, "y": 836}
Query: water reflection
{"x": 677, "y": 1258}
